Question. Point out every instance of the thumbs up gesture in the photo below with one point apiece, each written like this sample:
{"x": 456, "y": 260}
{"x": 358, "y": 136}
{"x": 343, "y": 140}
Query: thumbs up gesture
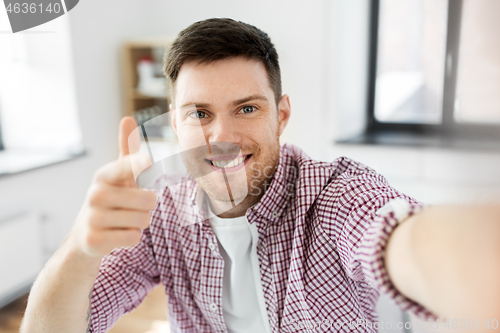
{"x": 115, "y": 209}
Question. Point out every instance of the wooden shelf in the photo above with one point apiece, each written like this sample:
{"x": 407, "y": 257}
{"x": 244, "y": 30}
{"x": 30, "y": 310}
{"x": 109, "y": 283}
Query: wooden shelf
{"x": 132, "y": 52}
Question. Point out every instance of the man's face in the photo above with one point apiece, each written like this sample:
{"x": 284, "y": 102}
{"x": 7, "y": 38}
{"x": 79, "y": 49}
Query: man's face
{"x": 225, "y": 113}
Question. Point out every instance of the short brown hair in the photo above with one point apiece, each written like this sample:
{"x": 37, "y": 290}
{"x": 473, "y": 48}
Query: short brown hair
{"x": 220, "y": 38}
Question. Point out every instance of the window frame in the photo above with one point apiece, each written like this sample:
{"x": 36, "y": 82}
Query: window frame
{"x": 449, "y": 132}
{"x": 2, "y": 147}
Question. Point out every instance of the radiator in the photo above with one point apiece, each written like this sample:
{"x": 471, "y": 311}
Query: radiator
{"x": 21, "y": 254}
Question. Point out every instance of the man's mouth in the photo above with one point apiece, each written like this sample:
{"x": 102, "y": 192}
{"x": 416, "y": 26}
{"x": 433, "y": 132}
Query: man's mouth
{"x": 228, "y": 163}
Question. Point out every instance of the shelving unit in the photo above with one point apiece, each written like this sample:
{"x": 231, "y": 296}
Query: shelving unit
{"x": 153, "y": 100}
{"x": 132, "y": 52}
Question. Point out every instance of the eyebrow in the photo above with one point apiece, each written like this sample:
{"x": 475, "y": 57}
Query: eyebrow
{"x": 234, "y": 103}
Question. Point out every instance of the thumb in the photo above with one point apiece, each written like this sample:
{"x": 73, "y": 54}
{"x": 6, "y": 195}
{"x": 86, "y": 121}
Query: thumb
{"x": 129, "y": 137}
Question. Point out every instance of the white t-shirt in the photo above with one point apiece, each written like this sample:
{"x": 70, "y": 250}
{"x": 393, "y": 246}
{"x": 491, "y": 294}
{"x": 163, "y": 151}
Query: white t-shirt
{"x": 243, "y": 302}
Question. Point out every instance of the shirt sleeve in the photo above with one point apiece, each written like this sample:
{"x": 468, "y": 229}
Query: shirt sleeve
{"x": 367, "y": 212}
{"x": 125, "y": 278}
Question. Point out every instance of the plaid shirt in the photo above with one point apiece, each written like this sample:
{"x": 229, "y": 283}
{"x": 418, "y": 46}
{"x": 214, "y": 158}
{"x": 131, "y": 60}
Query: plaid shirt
{"x": 323, "y": 228}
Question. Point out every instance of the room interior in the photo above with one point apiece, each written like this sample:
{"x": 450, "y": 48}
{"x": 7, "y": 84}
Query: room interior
{"x": 63, "y": 125}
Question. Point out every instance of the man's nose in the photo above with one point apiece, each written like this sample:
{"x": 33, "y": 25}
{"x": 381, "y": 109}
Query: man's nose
{"x": 223, "y": 129}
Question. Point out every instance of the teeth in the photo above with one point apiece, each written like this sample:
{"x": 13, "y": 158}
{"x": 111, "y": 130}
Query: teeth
{"x": 230, "y": 163}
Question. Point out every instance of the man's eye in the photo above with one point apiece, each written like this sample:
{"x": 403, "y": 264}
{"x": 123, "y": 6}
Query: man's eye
{"x": 247, "y": 109}
{"x": 199, "y": 114}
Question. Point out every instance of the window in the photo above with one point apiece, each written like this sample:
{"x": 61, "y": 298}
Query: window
{"x": 434, "y": 73}
{"x": 411, "y": 51}
{"x": 1, "y": 142}
{"x": 38, "y": 110}
{"x": 478, "y": 81}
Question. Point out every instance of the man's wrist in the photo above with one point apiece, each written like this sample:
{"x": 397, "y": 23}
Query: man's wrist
{"x": 73, "y": 256}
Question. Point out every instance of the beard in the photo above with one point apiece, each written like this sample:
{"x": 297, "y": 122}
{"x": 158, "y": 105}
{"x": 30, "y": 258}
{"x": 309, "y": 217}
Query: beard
{"x": 231, "y": 188}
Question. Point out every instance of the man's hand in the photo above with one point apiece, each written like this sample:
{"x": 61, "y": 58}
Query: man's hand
{"x": 448, "y": 260}
{"x": 112, "y": 215}
{"x": 115, "y": 209}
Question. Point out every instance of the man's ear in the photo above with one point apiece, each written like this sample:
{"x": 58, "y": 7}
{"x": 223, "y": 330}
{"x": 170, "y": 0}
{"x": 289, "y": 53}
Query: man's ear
{"x": 172, "y": 118}
{"x": 284, "y": 112}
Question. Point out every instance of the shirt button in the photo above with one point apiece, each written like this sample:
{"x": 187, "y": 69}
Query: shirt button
{"x": 275, "y": 214}
{"x": 211, "y": 246}
{"x": 214, "y": 307}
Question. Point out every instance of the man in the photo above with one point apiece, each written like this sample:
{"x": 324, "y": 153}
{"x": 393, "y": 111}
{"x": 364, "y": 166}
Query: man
{"x": 259, "y": 238}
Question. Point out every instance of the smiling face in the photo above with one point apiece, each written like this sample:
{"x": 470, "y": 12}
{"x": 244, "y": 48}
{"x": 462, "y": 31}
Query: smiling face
{"x": 228, "y": 125}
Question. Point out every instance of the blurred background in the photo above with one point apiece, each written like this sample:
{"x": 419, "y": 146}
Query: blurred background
{"x": 408, "y": 87}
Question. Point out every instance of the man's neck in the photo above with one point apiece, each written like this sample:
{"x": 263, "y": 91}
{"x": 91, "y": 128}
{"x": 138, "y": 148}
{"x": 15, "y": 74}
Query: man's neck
{"x": 228, "y": 209}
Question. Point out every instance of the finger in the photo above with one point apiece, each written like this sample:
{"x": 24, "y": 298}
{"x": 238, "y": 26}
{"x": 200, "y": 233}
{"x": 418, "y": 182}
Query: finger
{"x": 119, "y": 218}
{"x": 128, "y": 137}
{"x": 124, "y": 170}
{"x": 106, "y": 196}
